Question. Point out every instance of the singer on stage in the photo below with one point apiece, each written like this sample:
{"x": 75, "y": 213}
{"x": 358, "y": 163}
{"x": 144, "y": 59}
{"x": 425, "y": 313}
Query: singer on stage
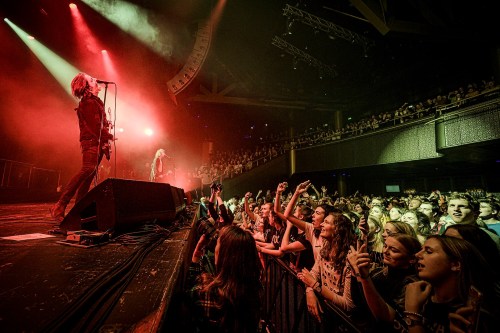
{"x": 160, "y": 173}
{"x": 94, "y": 140}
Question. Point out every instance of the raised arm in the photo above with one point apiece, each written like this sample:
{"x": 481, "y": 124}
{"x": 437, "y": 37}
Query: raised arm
{"x": 251, "y": 215}
{"x": 318, "y": 195}
{"x": 211, "y": 205}
{"x": 223, "y": 209}
{"x": 301, "y": 188}
{"x": 270, "y": 250}
{"x": 258, "y": 195}
{"x": 360, "y": 262}
{"x": 285, "y": 242}
{"x": 279, "y": 191}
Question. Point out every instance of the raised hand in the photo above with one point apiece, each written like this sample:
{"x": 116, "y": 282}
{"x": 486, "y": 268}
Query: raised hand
{"x": 302, "y": 187}
{"x": 359, "y": 259}
{"x": 281, "y": 187}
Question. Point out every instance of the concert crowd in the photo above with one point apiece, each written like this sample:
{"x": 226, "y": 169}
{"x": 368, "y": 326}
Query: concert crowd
{"x": 410, "y": 263}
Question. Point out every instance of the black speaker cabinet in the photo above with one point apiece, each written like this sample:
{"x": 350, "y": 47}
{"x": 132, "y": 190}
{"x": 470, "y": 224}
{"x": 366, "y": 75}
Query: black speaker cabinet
{"x": 120, "y": 204}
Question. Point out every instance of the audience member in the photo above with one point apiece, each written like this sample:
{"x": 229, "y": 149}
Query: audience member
{"x": 384, "y": 287}
{"x": 331, "y": 276}
{"x": 228, "y": 299}
{"x": 448, "y": 268}
{"x": 383, "y": 261}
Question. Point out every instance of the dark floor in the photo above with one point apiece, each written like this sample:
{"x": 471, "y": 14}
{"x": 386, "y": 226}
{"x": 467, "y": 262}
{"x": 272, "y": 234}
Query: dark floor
{"x": 40, "y": 278}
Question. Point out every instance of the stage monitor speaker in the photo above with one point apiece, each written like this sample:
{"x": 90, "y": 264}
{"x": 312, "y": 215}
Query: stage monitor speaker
{"x": 182, "y": 197}
{"x": 120, "y": 204}
{"x": 178, "y": 195}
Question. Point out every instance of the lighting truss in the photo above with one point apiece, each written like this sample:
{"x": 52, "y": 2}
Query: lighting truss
{"x": 303, "y": 56}
{"x": 296, "y": 14}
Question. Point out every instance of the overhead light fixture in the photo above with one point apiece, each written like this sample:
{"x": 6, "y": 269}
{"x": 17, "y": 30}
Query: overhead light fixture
{"x": 289, "y": 24}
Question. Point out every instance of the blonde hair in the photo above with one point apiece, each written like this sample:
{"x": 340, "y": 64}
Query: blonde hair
{"x": 153, "y": 172}
{"x": 79, "y": 85}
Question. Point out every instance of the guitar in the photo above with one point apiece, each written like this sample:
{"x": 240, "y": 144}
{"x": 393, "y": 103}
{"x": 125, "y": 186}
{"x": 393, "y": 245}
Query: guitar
{"x": 107, "y": 139}
{"x": 106, "y": 149}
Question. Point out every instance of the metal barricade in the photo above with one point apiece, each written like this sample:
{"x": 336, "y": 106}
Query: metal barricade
{"x": 285, "y": 307}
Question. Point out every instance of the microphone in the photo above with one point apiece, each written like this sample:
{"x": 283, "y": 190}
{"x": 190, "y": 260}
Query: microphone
{"x": 105, "y": 82}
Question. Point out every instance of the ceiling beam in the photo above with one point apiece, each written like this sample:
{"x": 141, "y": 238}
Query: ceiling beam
{"x": 281, "y": 104}
{"x": 376, "y": 16}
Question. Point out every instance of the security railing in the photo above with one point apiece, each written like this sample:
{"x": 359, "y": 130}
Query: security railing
{"x": 20, "y": 175}
{"x": 285, "y": 307}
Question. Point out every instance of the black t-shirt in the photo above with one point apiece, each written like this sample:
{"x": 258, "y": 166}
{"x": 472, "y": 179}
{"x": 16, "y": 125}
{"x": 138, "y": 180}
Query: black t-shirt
{"x": 305, "y": 258}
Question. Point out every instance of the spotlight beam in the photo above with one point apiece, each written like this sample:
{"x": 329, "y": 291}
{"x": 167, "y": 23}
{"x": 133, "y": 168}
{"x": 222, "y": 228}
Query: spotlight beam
{"x": 59, "y": 68}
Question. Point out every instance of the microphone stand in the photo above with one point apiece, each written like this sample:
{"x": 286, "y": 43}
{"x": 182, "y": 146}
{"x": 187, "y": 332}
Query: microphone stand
{"x": 105, "y": 92}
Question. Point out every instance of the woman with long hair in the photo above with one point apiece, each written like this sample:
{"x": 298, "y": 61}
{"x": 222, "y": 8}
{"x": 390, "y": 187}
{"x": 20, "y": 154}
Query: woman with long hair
{"x": 371, "y": 233}
{"x": 448, "y": 268}
{"x": 229, "y": 299}
{"x": 330, "y": 275}
{"x": 384, "y": 287}
{"x": 312, "y": 232}
{"x": 159, "y": 170}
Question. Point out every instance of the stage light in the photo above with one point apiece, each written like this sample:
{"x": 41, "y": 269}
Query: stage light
{"x": 136, "y": 21}
{"x": 60, "y": 69}
{"x": 121, "y": 130}
{"x": 109, "y": 66}
{"x": 72, "y": 6}
{"x": 87, "y": 40}
{"x": 148, "y": 132}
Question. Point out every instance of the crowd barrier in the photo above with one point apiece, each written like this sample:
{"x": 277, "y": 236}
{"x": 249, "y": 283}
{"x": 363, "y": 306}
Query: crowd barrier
{"x": 285, "y": 307}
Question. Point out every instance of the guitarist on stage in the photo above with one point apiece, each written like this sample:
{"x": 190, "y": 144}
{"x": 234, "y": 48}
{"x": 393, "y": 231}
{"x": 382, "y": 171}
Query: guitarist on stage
{"x": 94, "y": 140}
{"x": 159, "y": 172}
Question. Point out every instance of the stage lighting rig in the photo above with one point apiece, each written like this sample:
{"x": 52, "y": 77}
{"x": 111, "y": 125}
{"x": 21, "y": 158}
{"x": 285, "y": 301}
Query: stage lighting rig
{"x": 295, "y": 14}
{"x": 300, "y": 55}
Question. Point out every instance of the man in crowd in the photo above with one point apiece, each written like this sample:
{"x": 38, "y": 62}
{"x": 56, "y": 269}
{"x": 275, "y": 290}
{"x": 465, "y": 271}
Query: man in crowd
{"x": 463, "y": 209}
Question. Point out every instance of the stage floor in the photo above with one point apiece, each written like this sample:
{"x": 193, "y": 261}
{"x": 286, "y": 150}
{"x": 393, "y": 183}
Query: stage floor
{"x": 40, "y": 278}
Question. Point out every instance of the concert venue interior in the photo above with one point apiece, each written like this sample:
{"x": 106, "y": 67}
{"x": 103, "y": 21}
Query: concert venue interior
{"x": 344, "y": 93}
